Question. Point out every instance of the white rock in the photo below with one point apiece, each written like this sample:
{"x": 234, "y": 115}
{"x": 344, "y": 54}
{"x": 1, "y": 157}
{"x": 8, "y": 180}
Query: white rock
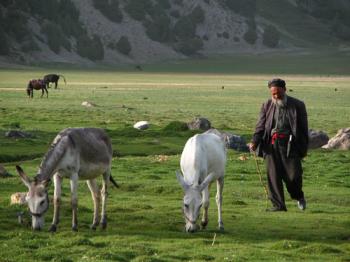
{"x": 141, "y": 125}
{"x": 88, "y": 104}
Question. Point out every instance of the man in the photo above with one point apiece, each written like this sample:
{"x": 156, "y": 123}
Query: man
{"x": 281, "y": 137}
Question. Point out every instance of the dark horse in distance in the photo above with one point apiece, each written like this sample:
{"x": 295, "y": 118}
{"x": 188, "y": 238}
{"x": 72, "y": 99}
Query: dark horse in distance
{"x": 37, "y": 84}
{"x": 53, "y": 78}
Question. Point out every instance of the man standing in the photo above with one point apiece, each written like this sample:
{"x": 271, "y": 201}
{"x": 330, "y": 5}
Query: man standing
{"x": 281, "y": 137}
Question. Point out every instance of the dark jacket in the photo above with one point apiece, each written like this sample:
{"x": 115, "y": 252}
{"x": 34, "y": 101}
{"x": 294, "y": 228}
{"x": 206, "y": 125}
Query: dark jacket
{"x": 298, "y": 123}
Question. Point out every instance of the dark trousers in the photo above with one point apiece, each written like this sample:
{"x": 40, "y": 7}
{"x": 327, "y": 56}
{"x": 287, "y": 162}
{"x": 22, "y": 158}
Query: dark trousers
{"x": 280, "y": 168}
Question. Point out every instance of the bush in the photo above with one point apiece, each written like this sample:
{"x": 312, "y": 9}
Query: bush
{"x": 123, "y": 45}
{"x": 109, "y": 9}
{"x": 90, "y": 48}
{"x": 245, "y": 8}
{"x": 159, "y": 28}
{"x": 197, "y": 16}
{"x": 4, "y": 46}
{"x": 189, "y": 46}
{"x": 175, "y": 13}
{"x": 138, "y": 9}
{"x": 184, "y": 28}
{"x": 225, "y": 35}
{"x": 30, "y": 45}
{"x": 250, "y": 36}
{"x": 271, "y": 37}
{"x": 55, "y": 37}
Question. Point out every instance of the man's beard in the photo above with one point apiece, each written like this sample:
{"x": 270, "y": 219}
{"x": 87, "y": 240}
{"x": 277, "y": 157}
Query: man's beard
{"x": 280, "y": 102}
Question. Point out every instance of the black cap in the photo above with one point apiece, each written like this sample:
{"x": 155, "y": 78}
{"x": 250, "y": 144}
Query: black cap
{"x": 278, "y": 82}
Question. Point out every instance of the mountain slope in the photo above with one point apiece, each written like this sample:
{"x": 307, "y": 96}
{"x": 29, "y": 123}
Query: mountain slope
{"x": 110, "y": 32}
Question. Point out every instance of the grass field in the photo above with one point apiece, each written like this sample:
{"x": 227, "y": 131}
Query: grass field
{"x": 145, "y": 220}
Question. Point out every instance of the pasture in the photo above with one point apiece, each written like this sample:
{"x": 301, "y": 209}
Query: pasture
{"x": 145, "y": 218}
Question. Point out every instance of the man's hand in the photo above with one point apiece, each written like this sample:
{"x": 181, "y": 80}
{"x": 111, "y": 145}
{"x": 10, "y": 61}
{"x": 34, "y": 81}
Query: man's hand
{"x": 252, "y": 146}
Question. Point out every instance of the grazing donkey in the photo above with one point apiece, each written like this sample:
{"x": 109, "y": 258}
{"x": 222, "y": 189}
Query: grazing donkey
{"x": 53, "y": 78}
{"x": 76, "y": 153}
{"x": 203, "y": 160}
{"x": 37, "y": 84}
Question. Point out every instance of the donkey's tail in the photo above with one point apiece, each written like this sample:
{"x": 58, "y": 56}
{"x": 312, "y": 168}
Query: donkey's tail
{"x": 64, "y": 79}
{"x": 113, "y": 181}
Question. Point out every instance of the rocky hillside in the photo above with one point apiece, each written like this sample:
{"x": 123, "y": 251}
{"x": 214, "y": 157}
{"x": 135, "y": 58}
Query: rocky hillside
{"x": 111, "y": 32}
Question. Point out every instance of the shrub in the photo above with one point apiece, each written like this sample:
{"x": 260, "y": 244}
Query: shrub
{"x": 159, "y": 28}
{"x": 55, "y": 37}
{"x": 197, "y": 16}
{"x": 4, "y": 46}
{"x": 271, "y": 37}
{"x": 245, "y": 8}
{"x": 90, "y": 48}
{"x": 30, "y": 45}
{"x": 175, "y": 13}
{"x": 123, "y": 45}
{"x": 110, "y": 9}
{"x": 250, "y": 36}
{"x": 189, "y": 46}
{"x": 225, "y": 35}
{"x": 184, "y": 28}
{"x": 138, "y": 9}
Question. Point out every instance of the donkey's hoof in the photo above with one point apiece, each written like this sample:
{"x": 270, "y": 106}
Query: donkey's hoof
{"x": 93, "y": 226}
{"x": 204, "y": 224}
{"x": 53, "y": 228}
{"x": 104, "y": 225}
{"x": 221, "y": 227}
{"x": 75, "y": 228}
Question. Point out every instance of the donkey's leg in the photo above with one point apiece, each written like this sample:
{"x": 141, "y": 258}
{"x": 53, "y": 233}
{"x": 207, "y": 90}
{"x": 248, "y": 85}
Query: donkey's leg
{"x": 220, "y": 187}
{"x": 104, "y": 194}
{"x": 56, "y": 84}
{"x": 42, "y": 92}
{"x": 205, "y": 202}
{"x": 57, "y": 180}
{"x": 74, "y": 200}
{"x": 96, "y": 198}
{"x": 47, "y": 93}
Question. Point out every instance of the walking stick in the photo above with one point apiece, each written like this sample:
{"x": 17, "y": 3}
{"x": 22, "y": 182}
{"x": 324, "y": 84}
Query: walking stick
{"x": 260, "y": 176}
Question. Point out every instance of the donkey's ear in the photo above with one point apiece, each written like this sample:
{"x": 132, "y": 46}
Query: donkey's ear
{"x": 206, "y": 182}
{"x": 181, "y": 180}
{"x": 24, "y": 177}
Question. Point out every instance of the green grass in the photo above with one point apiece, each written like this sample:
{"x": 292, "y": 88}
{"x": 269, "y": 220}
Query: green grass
{"x": 145, "y": 220}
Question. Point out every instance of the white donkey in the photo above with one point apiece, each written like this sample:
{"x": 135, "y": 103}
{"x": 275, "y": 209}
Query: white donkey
{"x": 203, "y": 161}
{"x": 76, "y": 153}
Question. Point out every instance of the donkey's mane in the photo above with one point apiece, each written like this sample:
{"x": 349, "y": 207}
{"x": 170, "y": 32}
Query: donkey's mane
{"x": 51, "y": 158}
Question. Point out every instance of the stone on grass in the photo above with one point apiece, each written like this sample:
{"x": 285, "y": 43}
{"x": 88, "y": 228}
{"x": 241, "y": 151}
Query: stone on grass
{"x": 17, "y": 134}
{"x": 141, "y": 125}
{"x": 199, "y": 123}
{"x": 340, "y": 141}
{"x": 88, "y": 104}
{"x": 232, "y": 141}
{"x": 317, "y": 139}
{"x": 3, "y": 172}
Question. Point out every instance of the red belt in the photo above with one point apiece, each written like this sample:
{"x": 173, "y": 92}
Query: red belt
{"x": 277, "y": 136}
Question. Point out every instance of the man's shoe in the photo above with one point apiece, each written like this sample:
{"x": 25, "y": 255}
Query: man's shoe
{"x": 275, "y": 209}
{"x": 302, "y": 204}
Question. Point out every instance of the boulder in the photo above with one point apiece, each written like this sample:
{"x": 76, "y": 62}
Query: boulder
{"x": 231, "y": 141}
{"x": 17, "y": 134}
{"x": 142, "y": 125}
{"x": 199, "y": 123}
{"x": 88, "y": 104}
{"x": 317, "y": 139}
{"x": 3, "y": 172}
{"x": 340, "y": 141}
